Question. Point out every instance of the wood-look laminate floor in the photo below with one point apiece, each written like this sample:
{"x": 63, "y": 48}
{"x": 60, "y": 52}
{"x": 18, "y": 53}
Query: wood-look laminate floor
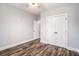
{"x": 35, "y": 48}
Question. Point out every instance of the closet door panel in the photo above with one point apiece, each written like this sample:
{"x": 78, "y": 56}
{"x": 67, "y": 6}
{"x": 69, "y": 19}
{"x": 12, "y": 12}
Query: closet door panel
{"x": 60, "y": 28}
{"x": 50, "y": 29}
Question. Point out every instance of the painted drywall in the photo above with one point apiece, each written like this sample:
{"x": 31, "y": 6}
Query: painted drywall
{"x": 72, "y": 11}
{"x": 16, "y": 26}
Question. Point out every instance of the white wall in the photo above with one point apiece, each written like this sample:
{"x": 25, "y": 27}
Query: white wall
{"x": 16, "y": 26}
{"x": 73, "y": 23}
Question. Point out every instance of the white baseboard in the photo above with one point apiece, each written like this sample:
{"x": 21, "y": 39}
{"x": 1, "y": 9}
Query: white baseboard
{"x": 78, "y": 50}
{"x": 9, "y": 46}
{"x": 69, "y": 48}
{"x": 72, "y": 49}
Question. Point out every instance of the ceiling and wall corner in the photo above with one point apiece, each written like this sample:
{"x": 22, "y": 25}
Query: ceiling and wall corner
{"x": 37, "y": 10}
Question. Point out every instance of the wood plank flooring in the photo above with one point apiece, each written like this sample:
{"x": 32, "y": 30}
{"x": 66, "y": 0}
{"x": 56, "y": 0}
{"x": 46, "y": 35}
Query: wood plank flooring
{"x": 35, "y": 48}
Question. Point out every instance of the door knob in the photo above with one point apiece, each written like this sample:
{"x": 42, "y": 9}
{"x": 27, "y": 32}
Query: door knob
{"x": 55, "y": 32}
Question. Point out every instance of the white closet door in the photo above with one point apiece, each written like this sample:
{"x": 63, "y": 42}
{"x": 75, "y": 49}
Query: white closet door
{"x": 50, "y": 29}
{"x": 61, "y": 30}
{"x": 56, "y": 27}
